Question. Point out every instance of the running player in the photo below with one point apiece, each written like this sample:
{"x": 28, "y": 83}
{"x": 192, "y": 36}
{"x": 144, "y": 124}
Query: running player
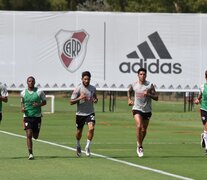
{"x": 32, "y": 99}
{"x": 144, "y": 91}
{"x": 85, "y": 97}
{"x": 3, "y": 98}
{"x": 202, "y": 99}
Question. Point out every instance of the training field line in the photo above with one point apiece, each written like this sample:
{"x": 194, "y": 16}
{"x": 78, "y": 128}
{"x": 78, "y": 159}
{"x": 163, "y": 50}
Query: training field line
{"x": 105, "y": 157}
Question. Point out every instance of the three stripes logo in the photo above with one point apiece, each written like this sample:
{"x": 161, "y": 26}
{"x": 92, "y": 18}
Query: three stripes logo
{"x": 155, "y": 61}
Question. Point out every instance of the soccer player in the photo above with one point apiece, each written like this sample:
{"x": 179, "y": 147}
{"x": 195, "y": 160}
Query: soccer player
{"x": 32, "y": 99}
{"x": 85, "y": 97}
{"x": 202, "y": 99}
{"x": 144, "y": 91}
{"x": 3, "y": 98}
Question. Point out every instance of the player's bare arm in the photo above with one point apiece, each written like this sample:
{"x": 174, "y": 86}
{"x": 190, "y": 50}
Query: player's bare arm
{"x": 4, "y": 99}
{"x": 81, "y": 97}
{"x": 198, "y": 99}
{"x": 22, "y": 104}
{"x": 95, "y": 99}
{"x": 129, "y": 95}
{"x": 152, "y": 93}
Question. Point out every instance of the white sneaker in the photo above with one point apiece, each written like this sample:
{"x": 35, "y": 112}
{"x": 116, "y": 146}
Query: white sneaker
{"x": 88, "y": 152}
{"x": 140, "y": 151}
{"x": 31, "y": 157}
{"x": 202, "y": 140}
{"x": 78, "y": 151}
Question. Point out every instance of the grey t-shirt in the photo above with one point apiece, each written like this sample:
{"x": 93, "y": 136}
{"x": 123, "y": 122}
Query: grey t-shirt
{"x": 84, "y": 107}
{"x": 3, "y": 92}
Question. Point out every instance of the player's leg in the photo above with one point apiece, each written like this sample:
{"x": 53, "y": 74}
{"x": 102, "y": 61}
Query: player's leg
{"x": 28, "y": 129}
{"x": 78, "y": 138}
{"x": 36, "y": 127}
{"x": 80, "y": 121}
{"x": 91, "y": 123}
{"x": 78, "y": 135}
{"x": 205, "y": 136}
{"x": 29, "y": 143}
{"x": 146, "y": 118}
{"x": 138, "y": 122}
{"x": 144, "y": 128}
{"x": 90, "y": 133}
{"x": 0, "y": 117}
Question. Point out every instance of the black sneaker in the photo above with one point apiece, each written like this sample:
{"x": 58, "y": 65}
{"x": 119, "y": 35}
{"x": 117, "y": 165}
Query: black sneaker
{"x": 78, "y": 151}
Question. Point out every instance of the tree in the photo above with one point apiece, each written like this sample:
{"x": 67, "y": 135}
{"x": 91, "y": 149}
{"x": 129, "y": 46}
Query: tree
{"x": 156, "y": 6}
{"x": 58, "y": 5}
{"x": 91, "y": 5}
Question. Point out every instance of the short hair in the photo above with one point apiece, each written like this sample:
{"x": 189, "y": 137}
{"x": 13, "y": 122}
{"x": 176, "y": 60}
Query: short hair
{"x": 206, "y": 74}
{"x": 142, "y": 69}
{"x": 31, "y": 77}
{"x": 86, "y": 73}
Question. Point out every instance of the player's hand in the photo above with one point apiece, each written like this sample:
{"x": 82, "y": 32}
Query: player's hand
{"x": 82, "y": 96}
{"x": 196, "y": 101}
{"x": 22, "y": 109}
{"x": 95, "y": 100}
{"x": 130, "y": 102}
{"x": 147, "y": 92}
{"x": 35, "y": 104}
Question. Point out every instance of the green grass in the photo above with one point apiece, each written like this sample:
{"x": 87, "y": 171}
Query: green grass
{"x": 172, "y": 144}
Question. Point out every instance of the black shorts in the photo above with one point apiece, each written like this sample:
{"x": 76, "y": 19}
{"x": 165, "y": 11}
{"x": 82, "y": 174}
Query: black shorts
{"x": 203, "y": 116}
{"x": 0, "y": 116}
{"x": 33, "y": 123}
{"x": 82, "y": 120}
{"x": 145, "y": 116}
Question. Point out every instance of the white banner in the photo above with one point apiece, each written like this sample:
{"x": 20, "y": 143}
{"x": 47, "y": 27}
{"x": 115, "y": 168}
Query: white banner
{"x": 55, "y": 47}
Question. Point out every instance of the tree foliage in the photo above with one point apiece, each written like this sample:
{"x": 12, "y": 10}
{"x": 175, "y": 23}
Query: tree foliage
{"x": 161, "y": 6}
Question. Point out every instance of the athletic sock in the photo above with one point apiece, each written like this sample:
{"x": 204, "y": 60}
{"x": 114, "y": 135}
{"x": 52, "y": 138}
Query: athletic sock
{"x": 78, "y": 142}
{"x": 30, "y": 151}
{"x": 205, "y": 139}
{"x": 88, "y": 143}
{"x": 138, "y": 144}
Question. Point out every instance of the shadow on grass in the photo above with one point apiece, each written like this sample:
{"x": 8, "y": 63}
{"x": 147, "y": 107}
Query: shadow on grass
{"x": 41, "y": 157}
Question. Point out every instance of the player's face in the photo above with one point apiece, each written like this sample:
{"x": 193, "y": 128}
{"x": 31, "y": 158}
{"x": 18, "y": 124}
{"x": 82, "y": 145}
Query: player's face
{"x": 86, "y": 81}
{"x": 30, "y": 83}
{"x": 142, "y": 76}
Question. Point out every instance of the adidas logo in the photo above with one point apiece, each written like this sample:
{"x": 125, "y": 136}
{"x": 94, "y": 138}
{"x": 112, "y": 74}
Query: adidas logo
{"x": 147, "y": 58}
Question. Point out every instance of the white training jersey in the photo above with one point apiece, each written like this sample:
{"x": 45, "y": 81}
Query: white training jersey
{"x": 141, "y": 102}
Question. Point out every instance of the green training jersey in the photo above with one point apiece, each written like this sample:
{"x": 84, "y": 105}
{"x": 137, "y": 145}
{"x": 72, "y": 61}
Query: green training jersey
{"x": 204, "y": 97}
{"x": 29, "y": 98}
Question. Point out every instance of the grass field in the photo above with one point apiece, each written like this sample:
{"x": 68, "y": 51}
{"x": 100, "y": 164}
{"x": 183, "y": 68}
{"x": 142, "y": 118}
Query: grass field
{"x": 172, "y": 146}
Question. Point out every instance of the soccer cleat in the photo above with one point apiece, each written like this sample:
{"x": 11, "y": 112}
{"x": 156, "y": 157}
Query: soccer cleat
{"x": 88, "y": 153}
{"x": 206, "y": 152}
{"x": 78, "y": 151}
{"x": 140, "y": 151}
{"x": 202, "y": 141}
{"x": 31, "y": 157}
